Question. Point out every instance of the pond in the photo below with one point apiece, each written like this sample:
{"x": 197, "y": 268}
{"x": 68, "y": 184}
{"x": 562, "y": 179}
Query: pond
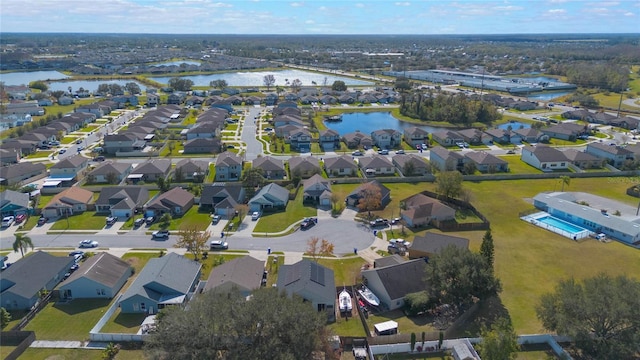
{"x": 255, "y": 78}
{"x": 514, "y": 125}
{"x": 546, "y": 96}
{"x": 25, "y": 77}
{"x": 90, "y": 85}
{"x": 177, "y": 63}
{"x": 369, "y": 122}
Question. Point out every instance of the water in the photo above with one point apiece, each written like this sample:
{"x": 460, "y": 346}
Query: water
{"x": 255, "y": 78}
{"x": 369, "y": 122}
{"x": 24, "y": 78}
{"x": 514, "y": 125}
{"x": 90, "y": 85}
{"x": 560, "y": 224}
{"x": 178, "y": 63}
{"x": 546, "y": 96}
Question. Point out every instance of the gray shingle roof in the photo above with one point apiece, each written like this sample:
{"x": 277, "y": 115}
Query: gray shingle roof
{"x": 246, "y": 272}
{"x": 434, "y": 243}
{"x": 102, "y": 268}
{"x": 310, "y": 276}
{"x": 402, "y": 279}
{"x": 31, "y": 273}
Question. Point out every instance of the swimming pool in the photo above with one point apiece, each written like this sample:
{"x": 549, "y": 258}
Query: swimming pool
{"x": 558, "y": 226}
{"x": 561, "y": 224}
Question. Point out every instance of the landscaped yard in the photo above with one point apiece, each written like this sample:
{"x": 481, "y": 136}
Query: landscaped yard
{"x": 191, "y": 218}
{"x": 272, "y": 268}
{"x": 68, "y": 321}
{"x": 406, "y": 325}
{"x": 279, "y": 221}
{"x": 123, "y": 323}
{"x": 138, "y": 260}
{"x": 40, "y": 154}
{"x": 87, "y": 220}
{"x": 346, "y": 271}
{"x": 517, "y": 166}
{"x": 77, "y": 354}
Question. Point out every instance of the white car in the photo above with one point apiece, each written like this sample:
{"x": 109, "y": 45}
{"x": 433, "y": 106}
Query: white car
{"x": 7, "y": 221}
{"x": 400, "y": 243}
{"x": 88, "y": 244}
{"x": 219, "y": 245}
{"x": 255, "y": 215}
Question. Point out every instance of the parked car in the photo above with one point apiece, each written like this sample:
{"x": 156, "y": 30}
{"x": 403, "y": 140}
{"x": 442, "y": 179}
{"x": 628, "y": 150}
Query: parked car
{"x": 396, "y": 221}
{"x": 308, "y": 223}
{"x": 62, "y": 151}
{"x": 76, "y": 252}
{"x": 424, "y": 146}
{"x": 160, "y": 234}
{"x": 79, "y": 141}
{"x": 357, "y": 153}
{"x": 20, "y": 218}
{"x": 99, "y": 158}
{"x": 42, "y": 221}
{"x": 255, "y": 215}
{"x": 215, "y": 219}
{"x": 138, "y": 222}
{"x": 111, "y": 220}
{"x": 7, "y": 221}
{"x": 399, "y": 152}
{"x": 383, "y": 152}
{"x": 400, "y": 243}
{"x": 88, "y": 244}
{"x": 150, "y": 220}
{"x": 511, "y": 152}
{"x": 379, "y": 222}
{"x": 219, "y": 245}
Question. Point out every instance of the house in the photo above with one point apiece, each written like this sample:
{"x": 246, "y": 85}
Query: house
{"x": 300, "y": 139}
{"x": 376, "y": 165}
{"x": 272, "y": 168}
{"x": 109, "y": 172}
{"x": 411, "y": 165}
{"x": 388, "y": 260}
{"x": 21, "y": 284}
{"x": 70, "y": 166}
{"x": 530, "y": 135}
{"x": 475, "y": 136}
{"x": 447, "y": 137}
{"x": 122, "y": 143}
{"x": 392, "y": 283}
{"x": 317, "y": 190}
{"x": 366, "y": 190}
{"x": 243, "y": 274}
{"x": 544, "y": 158}
{"x": 340, "y": 166}
{"x": 228, "y": 167}
{"x": 386, "y": 138}
{"x": 191, "y": 170}
{"x": 150, "y": 170}
{"x": 97, "y": 109}
{"x": 565, "y": 131}
{"x": 202, "y": 146}
{"x": 311, "y": 281}
{"x": 10, "y": 156}
{"x": 204, "y": 130}
{"x": 329, "y": 140}
{"x": 269, "y": 198}
{"x": 13, "y": 203}
{"x": 414, "y": 135}
{"x": 503, "y": 136}
{"x": 121, "y": 201}
{"x": 304, "y": 167}
{"x": 357, "y": 139}
{"x": 626, "y": 122}
{"x": 420, "y": 210}
{"x": 433, "y": 243}
{"x": 614, "y": 155}
{"x": 222, "y": 198}
{"x": 446, "y": 160}
{"x": 164, "y": 281}
{"x": 100, "y": 277}
{"x": 582, "y": 159}
{"x": 68, "y": 202}
{"x": 487, "y": 163}
{"x": 15, "y": 174}
{"x": 176, "y": 202}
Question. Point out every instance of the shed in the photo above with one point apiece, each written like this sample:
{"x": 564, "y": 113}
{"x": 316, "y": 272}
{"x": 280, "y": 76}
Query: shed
{"x": 386, "y": 328}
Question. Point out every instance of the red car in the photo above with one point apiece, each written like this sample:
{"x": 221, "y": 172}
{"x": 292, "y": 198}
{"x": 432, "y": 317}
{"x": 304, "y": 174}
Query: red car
{"x": 20, "y": 218}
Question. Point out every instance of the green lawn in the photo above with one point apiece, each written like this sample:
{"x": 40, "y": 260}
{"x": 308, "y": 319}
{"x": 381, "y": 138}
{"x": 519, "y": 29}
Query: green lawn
{"x": 68, "y": 139}
{"x": 77, "y": 354}
{"x": 272, "y": 268}
{"x": 346, "y": 271}
{"x": 138, "y": 260}
{"x": 517, "y": 166}
{"x": 279, "y": 221}
{"x": 351, "y": 326}
{"x": 40, "y": 154}
{"x": 123, "y": 323}
{"x": 68, "y": 321}
{"x": 87, "y": 220}
{"x": 214, "y": 258}
{"x": 191, "y": 218}
{"x": 405, "y": 324}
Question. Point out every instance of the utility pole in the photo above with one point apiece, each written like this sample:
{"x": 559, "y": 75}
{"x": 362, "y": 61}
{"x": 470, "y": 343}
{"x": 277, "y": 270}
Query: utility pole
{"x": 619, "y": 104}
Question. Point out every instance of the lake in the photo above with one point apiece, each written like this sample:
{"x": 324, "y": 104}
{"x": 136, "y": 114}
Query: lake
{"x": 177, "y": 63}
{"x": 255, "y": 78}
{"x": 25, "y": 77}
{"x": 90, "y": 85}
{"x": 514, "y": 125}
{"x": 369, "y": 122}
{"x": 546, "y": 96}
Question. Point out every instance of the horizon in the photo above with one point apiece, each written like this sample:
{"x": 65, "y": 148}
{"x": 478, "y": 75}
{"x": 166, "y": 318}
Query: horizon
{"x": 326, "y": 17}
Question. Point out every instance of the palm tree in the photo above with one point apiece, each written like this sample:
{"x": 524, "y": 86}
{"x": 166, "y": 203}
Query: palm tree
{"x": 22, "y": 243}
{"x": 565, "y": 180}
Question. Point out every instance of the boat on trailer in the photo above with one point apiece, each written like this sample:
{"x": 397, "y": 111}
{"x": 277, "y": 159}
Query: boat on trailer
{"x": 369, "y": 296}
{"x": 344, "y": 301}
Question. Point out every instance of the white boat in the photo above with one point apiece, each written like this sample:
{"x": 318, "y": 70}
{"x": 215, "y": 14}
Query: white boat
{"x": 368, "y": 296}
{"x": 344, "y": 301}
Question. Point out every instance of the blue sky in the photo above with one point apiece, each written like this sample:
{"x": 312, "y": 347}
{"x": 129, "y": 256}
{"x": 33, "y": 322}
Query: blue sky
{"x": 320, "y": 17}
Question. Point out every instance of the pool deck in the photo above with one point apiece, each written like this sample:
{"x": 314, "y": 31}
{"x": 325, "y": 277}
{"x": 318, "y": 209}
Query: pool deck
{"x": 533, "y": 219}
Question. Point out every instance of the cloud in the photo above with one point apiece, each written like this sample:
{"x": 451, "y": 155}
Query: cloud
{"x": 556, "y": 11}
{"x": 296, "y": 4}
{"x": 508, "y": 8}
{"x": 402, "y": 3}
{"x": 629, "y": 14}
{"x": 360, "y": 5}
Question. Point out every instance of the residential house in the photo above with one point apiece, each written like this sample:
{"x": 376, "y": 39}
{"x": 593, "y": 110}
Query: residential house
{"x": 386, "y": 138}
{"x": 565, "y": 131}
{"x": 392, "y": 283}
{"x": 22, "y": 283}
{"x": 204, "y": 130}
{"x": 243, "y": 274}
{"x": 176, "y": 202}
{"x": 270, "y": 197}
{"x": 304, "y": 167}
{"x": 100, "y": 277}
{"x": 191, "y": 170}
{"x": 109, "y": 172}
{"x": 388, "y": 260}
{"x": 357, "y": 139}
{"x": 272, "y": 168}
{"x": 340, "y": 166}
{"x": 10, "y": 156}
{"x": 530, "y": 135}
{"x": 22, "y": 146}
{"x": 411, "y": 165}
{"x": 116, "y": 143}
{"x": 475, "y": 136}
{"x": 202, "y": 146}
{"x": 300, "y": 139}
{"x": 317, "y": 190}
{"x": 150, "y": 170}
{"x": 582, "y": 159}
{"x": 165, "y": 281}
{"x": 96, "y": 109}
{"x": 311, "y": 281}
{"x": 420, "y": 210}
{"x": 329, "y": 140}
{"x": 69, "y": 202}
{"x": 578, "y": 114}
{"x": 544, "y": 158}
{"x": 614, "y": 155}
{"x": 447, "y": 137}
{"x": 69, "y": 167}
{"x": 487, "y": 163}
{"x": 15, "y": 174}
{"x": 176, "y": 98}
{"x": 376, "y": 165}
{"x": 228, "y": 167}
{"x": 121, "y": 201}
{"x": 13, "y": 203}
{"x": 414, "y": 135}
{"x": 368, "y": 190}
{"x": 222, "y": 198}
{"x": 45, "y": 102}
{"x": 626, "y": 122}
{"x": 433, "y": 243}
{"x": 503, "y": 136}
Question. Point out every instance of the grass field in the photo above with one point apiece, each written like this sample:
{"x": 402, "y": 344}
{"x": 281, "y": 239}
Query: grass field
{"x": 191, "y": 218}
{"x": 517, "y": 166}
{"x": 77, "y": 354}
{"x": 87, "y": 220}
{"x": 139, "y": 259}
{"x": 279, "y": 221}
{"x": 123, "y": 323}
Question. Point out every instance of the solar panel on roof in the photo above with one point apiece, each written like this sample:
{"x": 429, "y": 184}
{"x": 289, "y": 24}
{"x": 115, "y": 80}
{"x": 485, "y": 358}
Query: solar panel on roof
{"x": 317, "y": 274}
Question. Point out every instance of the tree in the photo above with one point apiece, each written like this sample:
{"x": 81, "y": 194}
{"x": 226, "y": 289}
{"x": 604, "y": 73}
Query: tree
{"x": 132, "y": 88}
{"x": 110, "y": 351}
{"x": 339, "y": 85}
{"x": 449, "y": 183}
{"x": 241, "y": 210}
{"x": 296, "y": 85}
{"x": 409, "y": 168}
{"x": 413, "y": 341}
{"x": 370, "y": 198}
{"x": 194, "y": 240}
{"x": 218, "y": 84}
{"x": 268, "y": 81}
{"x": 457, "y": 276}
{"x": 165, "y": 221}
{"x": 601, "y": 314}
{"x": 500, "y": 342}
{"x": 5, "y": 317}
{"x": 164, "y": 185}
{"x": 565, "y": 180}
{"x": 180, "y": 84}
{"x": 40, "y": 85}
{"x": 317, "y": 248}
{"x": 112, "y": 177}
{"x": 486, "y": 248}
{"x": 22, "y": 243}
{"x": 57, "y": 94}
{"x": 252, "y": 179}
{"x": 270, "y": 325}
